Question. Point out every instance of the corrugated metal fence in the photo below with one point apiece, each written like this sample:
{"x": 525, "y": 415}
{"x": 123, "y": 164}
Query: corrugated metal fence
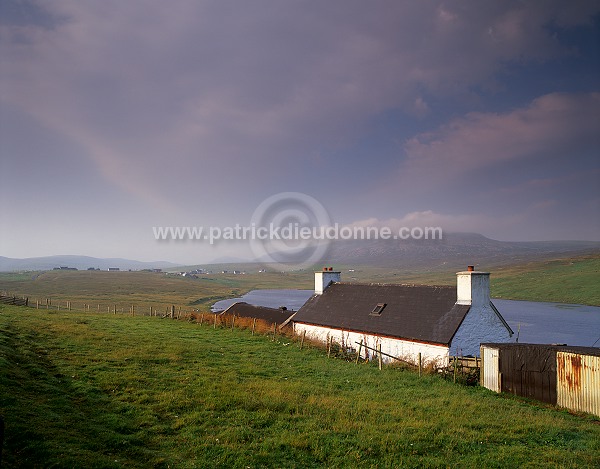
{"x": 578, "y": 385}
{"x": 559, "y": 375}
{"x": 490, "y": 375}
{"x": 529, "y": 371}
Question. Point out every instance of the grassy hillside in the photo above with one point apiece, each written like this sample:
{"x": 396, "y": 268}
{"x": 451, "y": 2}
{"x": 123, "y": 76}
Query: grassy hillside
{"x": 564, "y": 280}
{"x": 144, "y": 289}
{"x": 574, "y": 280}
{"x": 569, "y": 280}
{"x": 97, "y": 390}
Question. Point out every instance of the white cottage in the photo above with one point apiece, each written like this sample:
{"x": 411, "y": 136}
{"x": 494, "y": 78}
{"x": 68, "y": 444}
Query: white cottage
{"x": 405, "y": 320}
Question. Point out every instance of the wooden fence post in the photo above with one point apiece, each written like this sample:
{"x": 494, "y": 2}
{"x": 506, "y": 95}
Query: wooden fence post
{"x": 253, "y": 325}
{"x": 215, "y": 324}
{"x": 303, "y": 337}
{"x": 455, "y": 365}
{"x": 420, "y": 363}
{"x": 328, "y": 346}
{"x": 201, "y": 318}
{"x": 359, "y": 350}
{"x": 232, "y": 321}
{"x": 379, "y": 355}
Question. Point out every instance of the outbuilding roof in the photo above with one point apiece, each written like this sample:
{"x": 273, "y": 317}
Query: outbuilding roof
{"x": 246, "y": 310}
{"x": 527, "y": 348}
{"x": 414, "y": 312}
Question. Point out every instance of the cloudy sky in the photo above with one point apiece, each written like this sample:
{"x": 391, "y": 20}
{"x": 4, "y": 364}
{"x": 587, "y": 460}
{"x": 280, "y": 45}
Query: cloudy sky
{"x": 119, "y": 116}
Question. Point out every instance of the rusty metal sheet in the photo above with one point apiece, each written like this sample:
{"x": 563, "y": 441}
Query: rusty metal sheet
{"x": 578, "y": 382}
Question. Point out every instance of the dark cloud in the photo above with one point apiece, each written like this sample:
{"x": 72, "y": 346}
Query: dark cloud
{"x": 550, "y": 127}
{"x": 244, "y": 97}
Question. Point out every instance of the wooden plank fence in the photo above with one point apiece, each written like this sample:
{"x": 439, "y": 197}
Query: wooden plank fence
{"x": 14, "y": 300}
{"x": 466, "y": 362}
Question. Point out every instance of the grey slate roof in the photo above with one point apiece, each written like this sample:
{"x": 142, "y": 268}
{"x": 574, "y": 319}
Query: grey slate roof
{"x": 246, "y": 310}
{"x": 413, "y": 312}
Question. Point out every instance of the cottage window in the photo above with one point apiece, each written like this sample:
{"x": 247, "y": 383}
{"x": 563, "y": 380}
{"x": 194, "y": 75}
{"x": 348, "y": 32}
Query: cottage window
{"x": 378, "y": 309}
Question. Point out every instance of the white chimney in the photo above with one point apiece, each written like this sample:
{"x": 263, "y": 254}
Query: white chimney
{"x": 473, "y": 287}
{"x": 325, "y": 278}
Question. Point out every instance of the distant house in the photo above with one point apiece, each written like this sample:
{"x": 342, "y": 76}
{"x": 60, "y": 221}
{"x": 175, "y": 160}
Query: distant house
{"x": 113, "y": 269}
{"x": 405, "y": 320}
{"x": 271, "y": 315}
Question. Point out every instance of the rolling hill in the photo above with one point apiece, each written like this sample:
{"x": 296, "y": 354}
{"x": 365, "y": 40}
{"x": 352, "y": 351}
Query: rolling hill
{"x": 454, "y": 251}
{"x": 8, "y": 264}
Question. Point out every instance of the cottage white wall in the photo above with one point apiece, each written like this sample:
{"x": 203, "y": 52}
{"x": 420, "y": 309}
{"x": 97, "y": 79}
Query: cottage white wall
{"x": 481, "y": 325}
{"x": 404, "y": 349}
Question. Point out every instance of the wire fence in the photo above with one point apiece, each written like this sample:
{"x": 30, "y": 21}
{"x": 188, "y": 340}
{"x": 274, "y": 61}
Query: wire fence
{"x": 465, "y": 369}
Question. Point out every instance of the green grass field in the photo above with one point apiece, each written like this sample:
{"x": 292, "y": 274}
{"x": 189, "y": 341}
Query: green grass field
{"x": 143, "y": 289}
{"x": 98, "y": 390}
{"x": 568, "y": 280}
{"x": 564, "y": 280}
{"x": 574, "y": 280}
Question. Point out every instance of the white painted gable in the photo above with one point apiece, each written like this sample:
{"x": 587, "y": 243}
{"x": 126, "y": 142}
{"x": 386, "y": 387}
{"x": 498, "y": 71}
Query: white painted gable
{"x": 481, "y": 324}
